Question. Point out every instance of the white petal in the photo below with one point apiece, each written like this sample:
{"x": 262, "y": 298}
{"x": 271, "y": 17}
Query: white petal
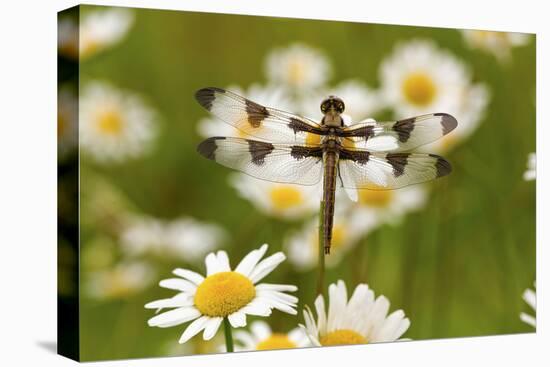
{"x": 337, "y": 305}
{"x": 179, "y": 285}
{"x": 212, "y": 266}
{"x": 277, "y": 287}
{"x": 189, "y": 275}
{"x": 385, "y": 331}
{"x": 223, "y": 261}
{"x": 528, "y": 319}
{"x": 237, "y": 319}
{"x": 211, "y": 327}
{"x": 313, "y": 338}
{"x": 248, "y": 263}
{"x": 257, "y": 308}
{"x": 194, "y": 328}
{"x": 311, "y": 328}
{"x": 179, "y": 300}
{"x": 321, "y": 314}
{"x": 174, "y": 317}
{"x": 278, "y": 296}
{"x": 378, "y": 313}
{"x": 531, "y": 298}
{"x": 403, "y": 326}
{"x": 266, "y": 266}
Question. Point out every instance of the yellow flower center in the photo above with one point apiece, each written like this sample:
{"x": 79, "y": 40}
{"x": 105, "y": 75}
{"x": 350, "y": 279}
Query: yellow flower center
{"x": 343, "y": 337}
{"x": 276, "y": 341}
{"x": 375, "y": 198}
{"x": 221, "y": 294}
{"x": 109, "y": 122}
{"x": 296, "y": 72}
{"x": 285, "y": 197}
{"x": 419, "y": 89}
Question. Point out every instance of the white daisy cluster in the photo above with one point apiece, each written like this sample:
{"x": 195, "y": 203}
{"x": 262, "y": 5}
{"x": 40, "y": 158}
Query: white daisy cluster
{"x": 500, "y": 44}
{"x": 97, "y": 31}
{"x": 419, "y": 77}
{"x": 223, "y": 294}
{"x": 119, "y": 281}
{"x": 186, "y": 239}
{"x": 302, "y": 73}
{"x": 114, "y": 125}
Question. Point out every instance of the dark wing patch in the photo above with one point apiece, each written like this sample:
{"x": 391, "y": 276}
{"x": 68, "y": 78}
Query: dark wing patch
{"x": 258, "y": 121}
{"x": 286, "y": 163}
{"x": 399, "y": 136}
{"x": 398, "y": 161}
{"x": 384, "y": 171}
{"x": 259, "y": 150}
{"x": 403, "y": 128}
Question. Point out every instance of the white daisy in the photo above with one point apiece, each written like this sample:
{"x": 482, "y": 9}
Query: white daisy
{"x": 223, "y": 293}
{"x": 387, "y": 206}
{"x": 270, "y": 96}
{"x": 420, "y": 78}
{"x": 120, "y": 281}
{"x": 531, "y": 171}
{"x": 67, "y": 121}
{"x": 279, "y": 200}
{"x": 99, "y": 29}
{"x": 530, "y": 297}
{"x": 261, "y": 337}
{"x": 361, "y": 320}
{"x": 499, "y": 44}
{"x": 298, "y": 67}
{"x": 303, "y": 246}
{"x": 185, "y": 238}
{"x": 114, "y": 125}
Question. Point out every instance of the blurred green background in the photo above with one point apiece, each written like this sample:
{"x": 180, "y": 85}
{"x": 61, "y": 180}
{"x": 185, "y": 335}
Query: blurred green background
{"x": 457, "y": 267}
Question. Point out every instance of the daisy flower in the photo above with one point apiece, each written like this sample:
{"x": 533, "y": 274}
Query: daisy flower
{"x": 530, "y": 297}
{"x": 120, "y": 281}
{"x": 99, "y": 29}
{"x": 270, "y": 96}
{"x": 387, "y": 206}
{"x": 114, "y": 125}
{"x": 67, "y": 121}
{"x": 361, "y": 320}
{"x": 298, "y": 66}
{"x": 279, "y": 200}
{"x": 531, "y": 171}
{"x": 223, "y": 294}
{"x": 420, "y": 78}
{"x": 499, "y": 44}
{"x": 303, "y": 246}
{"x": 261, "y": 337}
{"x": 185, "y": 238}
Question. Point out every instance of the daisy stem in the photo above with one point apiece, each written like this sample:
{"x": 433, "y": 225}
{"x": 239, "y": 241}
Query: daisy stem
{"x": 228, "y": 335}
{"x": 321, "y": 257}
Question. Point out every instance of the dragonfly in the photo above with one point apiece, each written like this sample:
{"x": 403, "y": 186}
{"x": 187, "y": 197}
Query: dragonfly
{"x": 284, "y": 147}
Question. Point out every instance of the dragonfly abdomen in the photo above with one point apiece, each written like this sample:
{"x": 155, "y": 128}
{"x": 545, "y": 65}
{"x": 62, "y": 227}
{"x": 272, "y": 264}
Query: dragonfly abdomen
{"x": 329, "y": 191}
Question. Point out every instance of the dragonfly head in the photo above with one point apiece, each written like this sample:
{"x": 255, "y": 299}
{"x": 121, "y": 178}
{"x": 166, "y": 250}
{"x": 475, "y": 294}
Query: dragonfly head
{"x": 332, "y": 105}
